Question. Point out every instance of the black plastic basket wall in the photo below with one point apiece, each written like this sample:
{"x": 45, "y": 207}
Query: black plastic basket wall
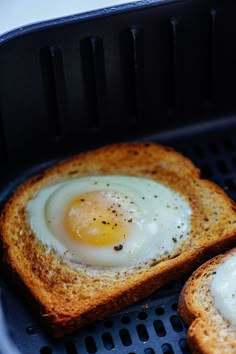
{"x": 113, "y": 74}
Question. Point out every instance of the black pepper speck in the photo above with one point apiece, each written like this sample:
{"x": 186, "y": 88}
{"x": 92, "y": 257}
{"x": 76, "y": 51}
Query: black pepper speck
{"x": 118, "y": 247}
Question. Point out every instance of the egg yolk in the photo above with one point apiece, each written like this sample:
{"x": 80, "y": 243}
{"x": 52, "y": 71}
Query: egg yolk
{"x": 98, "y": 218}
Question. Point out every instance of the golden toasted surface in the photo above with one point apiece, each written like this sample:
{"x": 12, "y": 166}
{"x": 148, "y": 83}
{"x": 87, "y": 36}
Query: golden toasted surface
{"x": 208, "y": 331}
{"x": 68, "y": 298}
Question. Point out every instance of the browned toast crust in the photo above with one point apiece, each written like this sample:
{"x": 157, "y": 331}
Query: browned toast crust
{"x": 68, "y": 298}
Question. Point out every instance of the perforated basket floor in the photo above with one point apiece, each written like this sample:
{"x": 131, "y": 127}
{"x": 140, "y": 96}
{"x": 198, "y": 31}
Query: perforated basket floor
{"x": 153, "y": 325}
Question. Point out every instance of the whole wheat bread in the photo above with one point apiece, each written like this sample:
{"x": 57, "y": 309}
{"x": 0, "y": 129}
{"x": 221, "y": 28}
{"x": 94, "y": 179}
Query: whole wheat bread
{"x": 67, "y": 298}
{"x": 208, "y": 331}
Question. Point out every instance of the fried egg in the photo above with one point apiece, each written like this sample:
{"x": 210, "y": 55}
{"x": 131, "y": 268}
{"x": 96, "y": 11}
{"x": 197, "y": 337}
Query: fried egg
{"x": 109, "y": 221}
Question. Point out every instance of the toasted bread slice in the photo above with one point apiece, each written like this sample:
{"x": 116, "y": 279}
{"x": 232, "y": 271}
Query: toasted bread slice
{"x": 209, "y": 332}
{"x": 68, "y": 298}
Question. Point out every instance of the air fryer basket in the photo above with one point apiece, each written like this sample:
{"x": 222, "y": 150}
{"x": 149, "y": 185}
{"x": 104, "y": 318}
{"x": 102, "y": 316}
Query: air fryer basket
{"x": 156, "y": 70}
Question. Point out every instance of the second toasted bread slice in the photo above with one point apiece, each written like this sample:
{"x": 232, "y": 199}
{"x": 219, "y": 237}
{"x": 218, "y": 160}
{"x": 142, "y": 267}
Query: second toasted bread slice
{"x": 207, "y": 305}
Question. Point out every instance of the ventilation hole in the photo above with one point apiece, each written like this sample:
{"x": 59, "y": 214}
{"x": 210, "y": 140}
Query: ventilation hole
{"x": 174, "y": 306}
{"x": 176, "y": 323}
{"x": 31, "y": 330}
{"x": 149, "y": 351}
{"x": 169, "y": 287}
{"x": 159, "y": 328}
{"x": 214, "y": 148}
{"x": 167, "y": 349}
{"x": 90, "y": 345}
{"x": 234, "y": 161}
{"x": 198, "y": 151}
{"x": 91, "y": 328}
{"x": 108, "y": 324}
{"x": 228, "y": 144}
{"x": 46, "y": 350}
{"x": 222, "y": 167}
{"x": 70, "y": 348}
{"x": 142, "y": 332}
{"x": 125, "y": 319}
{"x": 176, "y": 64}
{"x": 131, "y": 42}
{"x": 206, "y": 171}
{"x": 53, "y": 80}
{"x": 184, "y": 346}
{"x": 212, "y": 54}
{"x": 142, "y": 315}
{"x": 107, "y": 341}
{"x": 92, "y": 58}
{"x": 160, "y": 311}
{"x": 3, "y": 146}
{"x": 125, "y": 337}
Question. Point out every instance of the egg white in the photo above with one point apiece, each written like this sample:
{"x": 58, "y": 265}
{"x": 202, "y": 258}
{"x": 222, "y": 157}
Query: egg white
{"x": 160, "y": 220}
{"x": 223, "y": 289}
